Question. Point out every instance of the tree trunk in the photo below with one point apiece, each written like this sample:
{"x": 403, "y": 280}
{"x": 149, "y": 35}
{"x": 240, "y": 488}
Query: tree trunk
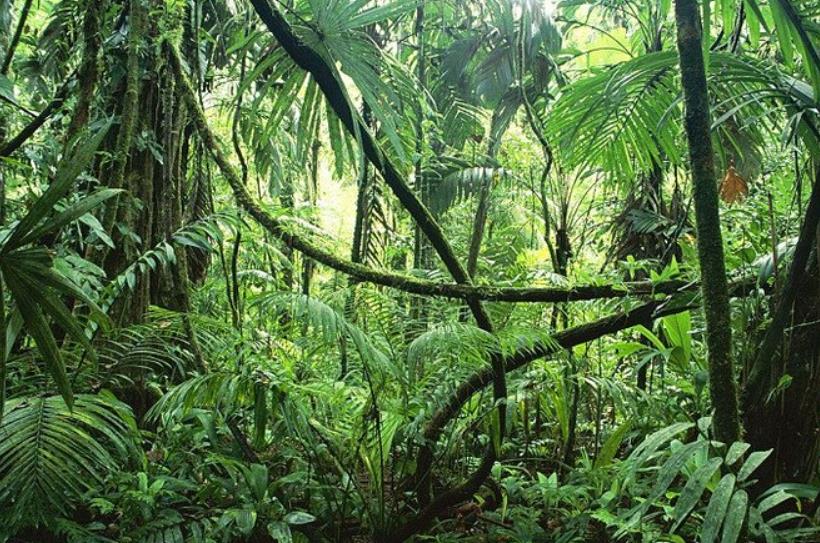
{"x": 780, "y": 395}
{"x": 709, "y": 240}
{"x": 89, "y": 70}
{"x": 361, "y": 227}
{"x": 8, "y": 47}
{"x": 421, "y": 253}
{"x": 129, "y": 119}
{"x": 479, "y": 221}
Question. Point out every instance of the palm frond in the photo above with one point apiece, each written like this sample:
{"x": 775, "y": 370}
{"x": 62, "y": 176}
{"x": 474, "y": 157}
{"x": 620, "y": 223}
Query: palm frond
{"x": 337, "y": 31}
{"x": 467, "y": 345}
{"x": 456, "y": 185}
{"x": 331, "y": 325}
{"x": 628, "y": 118}
{"x": 50, "y": 455}
{"x": 622, "y": 120}
{"x": 225, "y": 391}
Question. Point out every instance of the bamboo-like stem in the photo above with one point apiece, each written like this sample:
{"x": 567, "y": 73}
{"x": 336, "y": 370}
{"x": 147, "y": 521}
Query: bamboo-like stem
{"x": 15, "y": 40}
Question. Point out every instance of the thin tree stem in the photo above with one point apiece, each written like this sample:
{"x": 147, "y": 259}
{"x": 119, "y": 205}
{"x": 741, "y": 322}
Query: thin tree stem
{"x": 709, "y": 240}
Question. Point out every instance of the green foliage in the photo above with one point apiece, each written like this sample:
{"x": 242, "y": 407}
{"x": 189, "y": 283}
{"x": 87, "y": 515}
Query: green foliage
{"x": 627, "y": 118}
{"x": 50, "y": 456}
{"x": 699, "y": 464}
{"x": 29, "y": 274}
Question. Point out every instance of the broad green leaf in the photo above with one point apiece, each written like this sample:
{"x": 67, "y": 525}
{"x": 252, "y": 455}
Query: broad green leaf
{"x": 756, "y": 10}
{"x": 299, "y": 517}
{"x": 774, "y": 500}
{"x": 652, "y": 442}
{"x": 239, "y": 40}
{"x": 678, "y": 328}
{"x": 496, "y": 430}
{"x": 61, "y": 316}
{"x": 736, "y": 451}
{"x": 256, "y": 475}
{"x": 752, "y": 463}
{"x": 727, "y": 12}
{"x": 14, "y": 324}
{"x": 336, "y": 137}
{"x": 716, "y": 510}
{"x": 754, "y": 20}
{"x": 36, "y": 264}
{"x": 245, "y": 520}
{"x": 693, "y": 490}
{"x": 611, "y": 445}
{"x": 648, "y": 334}
{"x": 735, "y": 515}
{"x": 667, "y": 473}
{"x": 280, "y": 532}
{"x": 798, "y": 490}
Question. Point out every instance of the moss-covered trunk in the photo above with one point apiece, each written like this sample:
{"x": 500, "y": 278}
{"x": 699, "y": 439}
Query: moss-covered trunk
{"x": 150, "y": 161}
{"x": 707, "y": 218}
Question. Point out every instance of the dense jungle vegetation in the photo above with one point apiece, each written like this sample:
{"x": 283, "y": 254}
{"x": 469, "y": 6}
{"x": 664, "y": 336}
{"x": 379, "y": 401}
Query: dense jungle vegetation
{"x": 409, "y": 270}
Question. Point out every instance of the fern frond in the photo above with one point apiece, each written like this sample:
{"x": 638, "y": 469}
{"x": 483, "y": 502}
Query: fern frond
{"x": 201, "y": 234}
{"x": 332, "y": 326}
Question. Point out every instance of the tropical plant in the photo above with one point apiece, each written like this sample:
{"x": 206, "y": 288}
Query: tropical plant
{"x": 51, "y": 456}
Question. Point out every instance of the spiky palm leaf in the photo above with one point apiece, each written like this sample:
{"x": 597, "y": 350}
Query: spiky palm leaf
{"x": 794, "y": 22}
{"x": 337, "y": 31}
{"x": 483, "y": 65}
{"x": 624, "y": 119}
{"x": 50, "y": 455}
{"x": 452, "y": 185}
{"x": 28, "y": 272}
{"x": 488, "y": 65}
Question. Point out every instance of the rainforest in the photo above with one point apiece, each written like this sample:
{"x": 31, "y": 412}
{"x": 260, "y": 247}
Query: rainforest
{"x": 435, "y": 271}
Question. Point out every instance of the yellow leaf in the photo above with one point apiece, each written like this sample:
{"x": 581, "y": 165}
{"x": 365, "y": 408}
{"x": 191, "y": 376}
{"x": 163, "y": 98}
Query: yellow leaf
{"x": 733, "y": 188}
